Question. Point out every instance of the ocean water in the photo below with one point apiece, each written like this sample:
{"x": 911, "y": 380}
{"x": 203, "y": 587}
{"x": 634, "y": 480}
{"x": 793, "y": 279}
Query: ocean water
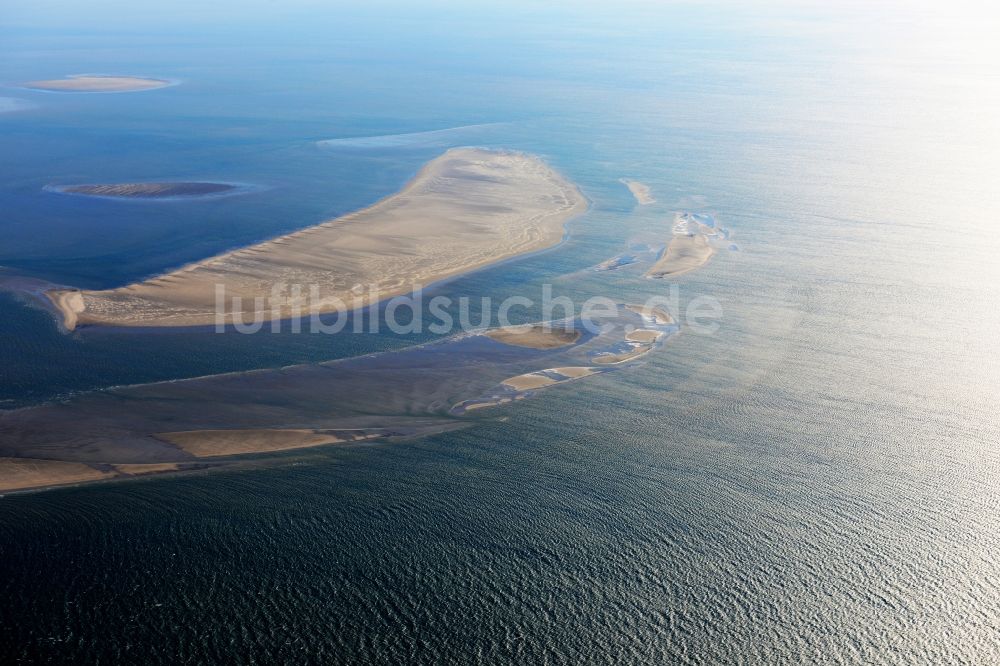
{"x": 815, "y": 482}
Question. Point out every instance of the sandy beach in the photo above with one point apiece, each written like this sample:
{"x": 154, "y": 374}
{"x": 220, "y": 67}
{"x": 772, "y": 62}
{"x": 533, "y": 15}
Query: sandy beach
{"x": 643, "y": 195}
{"x": 534, "y": 336}
{"x": 91, "y": 83}
{"x": 464, "y": 210}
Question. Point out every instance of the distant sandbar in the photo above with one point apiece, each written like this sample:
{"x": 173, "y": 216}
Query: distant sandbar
{"x": 98, "y": 83}
{"x": 148, "y": 190}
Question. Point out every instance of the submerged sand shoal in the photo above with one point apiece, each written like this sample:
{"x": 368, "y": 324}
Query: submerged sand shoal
{"x": 179, "y": 426}
{"x": 92, "y": 83}
{"x": 657, "y": 314}
{"x": 464, "y": 210}
{"x": 634, "y": 351}
{"x": 148, "y": 190}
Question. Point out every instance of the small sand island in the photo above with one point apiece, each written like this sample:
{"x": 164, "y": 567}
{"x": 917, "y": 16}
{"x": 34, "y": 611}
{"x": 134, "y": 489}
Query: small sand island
{"x": 96, "y": 83}
{"x": 643, "y": 195}
{"x": 148, "y": 190}
{"x": 548, "y": 377}
{"x": 689, "y": 248}
{"x": 464, "y": 210}
{"x": 534, "y": 336}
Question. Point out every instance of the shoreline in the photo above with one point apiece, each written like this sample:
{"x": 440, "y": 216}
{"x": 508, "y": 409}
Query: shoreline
{"x": 474, "y": 218}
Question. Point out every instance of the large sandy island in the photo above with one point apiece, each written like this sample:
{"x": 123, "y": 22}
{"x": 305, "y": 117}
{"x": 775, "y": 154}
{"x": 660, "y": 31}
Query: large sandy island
{"x": 93, "y": 83}
{"x": 464, "y": 210}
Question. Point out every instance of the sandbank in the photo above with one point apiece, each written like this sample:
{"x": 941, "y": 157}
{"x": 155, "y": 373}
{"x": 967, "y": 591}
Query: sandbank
{"x": 94, "y": 83}
{"x": 543, "y": 378}
{"x": 22, "y": 473}
{"x": 534, "y": 336}
{"x": 210, "y": 443}
{"x": 148, "y": 190}
{"x": 683, "y": 254}
{"x": 688, "y": 249}
{"x": 641, "y": 192}
{"x": 643, "y": 335}
{"x": 464, "y": 210}
{"x": 575, "y": 372}
{"x": 529, "y": 381}
{"x": 138, "y": 469}
{"x": 613, "y": 359}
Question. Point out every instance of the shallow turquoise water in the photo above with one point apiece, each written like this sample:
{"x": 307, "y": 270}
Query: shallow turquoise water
{"x": 816, "y": 482}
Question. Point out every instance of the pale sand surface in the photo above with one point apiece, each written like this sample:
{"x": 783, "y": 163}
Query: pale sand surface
{"x": 532, "y": 380}
{"x": 640, "y": 191}
{"x": 464, "y": 210}
{"x": 21, "y": 473}
{"x": 208, "y": 443}
{"x": 148, "y": 190}
{"x": 612, "y": 359}
{"x": 643, "y": 335}
{"x": 136, "y": 469}
{"x": 684, "y": 253}
{"x": 575, "y": 372}
{"x": 658, "y": 315}
{"x": 535, "y": 336}
{"x": 98, "y": 84}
